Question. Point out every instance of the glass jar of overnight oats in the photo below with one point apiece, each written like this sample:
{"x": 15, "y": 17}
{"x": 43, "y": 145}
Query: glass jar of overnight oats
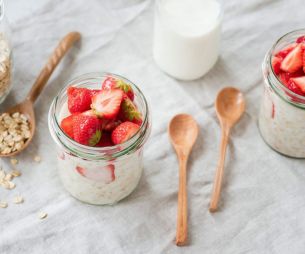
{"x": 98, "y": 175}
{"x": 282, "y": 113}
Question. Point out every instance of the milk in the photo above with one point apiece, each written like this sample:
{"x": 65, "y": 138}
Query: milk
{"x": 187, "y": 36}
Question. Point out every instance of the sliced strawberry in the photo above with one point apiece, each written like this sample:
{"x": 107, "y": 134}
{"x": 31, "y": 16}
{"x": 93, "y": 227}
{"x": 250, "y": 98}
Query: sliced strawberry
{"x": 129, "y": 112}
{"x": 285, "y": 51}
{"x": 102, "y": 174}
{"x": 294, "y": 88}
{"x": 300, "y": 39}
{"x": 300, "y": 82}
{"x": 105, "y": 140}
{"x": 67, "y": 125}
{"x": 304, "y": 61}
{"x": 113, "y": 83}
{"x": 94, "y": 92}
{"x": 79, "y": 99}
{"x": 276, "y": 64}
{"x": 124, "y": 132}
{"x": 294, "y": 60}
{"x": 87, "y": 129}
{"x": 106, "y": 104}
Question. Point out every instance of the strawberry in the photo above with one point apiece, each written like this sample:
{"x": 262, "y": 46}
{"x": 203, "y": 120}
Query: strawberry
{"x": 286, "y": 76}
{"x": 304, "y": 60}
{"x": 87, "y": 129}
{"x": 285, "y": 51}
{"x": 105, "y": 140}
{"x": 294, "y": 88}
{"x": 276, "y": 64}
{"x": 300, "y": 82}
{"x": 101, "y": 174}
{"x": 67, "y": 125}
{"x": 129, "y": 112}
{"x": 113, "y": 83}
{"x": 294, "y": 60}
{"x": 300, "y": 39}
{"x": 79, "y": 99}
{"x": 124, "y": 132}
{"x": 94, "y": 92}
{"x": 106, "y": 104}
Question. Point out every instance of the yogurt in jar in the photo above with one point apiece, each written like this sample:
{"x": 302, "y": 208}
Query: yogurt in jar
{"x": 187, "y": 37}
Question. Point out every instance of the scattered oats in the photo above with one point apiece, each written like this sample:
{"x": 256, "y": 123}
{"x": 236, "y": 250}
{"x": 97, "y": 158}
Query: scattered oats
{"x": 11, "y": 185}
{"x": 15, "y": 173}
{"x": 42, "y": 215}
{"x": 3, "y": 204}
{"x": 6, "y": 185}
{"x": 18, "y": 200}
{"x": 8, "y": 177}
{"x": 37, "y": 158}
{"x": 14, "y": 161}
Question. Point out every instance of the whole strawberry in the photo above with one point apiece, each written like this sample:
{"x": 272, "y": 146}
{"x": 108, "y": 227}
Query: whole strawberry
{"x": 87, "y": 129}
{"x": 129, "y": 112}
{"x": 124, "y": 132}
{"x": 113, "y": 83}
{"x": 67, "y": 125}
{"x": 79, "y": 99}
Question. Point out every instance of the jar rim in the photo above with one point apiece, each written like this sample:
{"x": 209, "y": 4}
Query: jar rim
{"x": 274, "y": 80}
{"x": 98, "y": 152}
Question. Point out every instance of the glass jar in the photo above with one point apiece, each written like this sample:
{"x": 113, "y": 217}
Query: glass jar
{"x": 282, "y": 113}
{"x": 5, "y": 55}
{"x": 98, "y": 175}
{"x": 187, "y": 36}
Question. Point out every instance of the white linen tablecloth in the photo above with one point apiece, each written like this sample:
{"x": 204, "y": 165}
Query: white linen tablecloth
{"x": 263, "y": 198}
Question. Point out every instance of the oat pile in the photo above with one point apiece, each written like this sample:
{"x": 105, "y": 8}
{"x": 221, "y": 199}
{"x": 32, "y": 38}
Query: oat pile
{"x": 14, "y": 132}
{"x": 5, "y": 66}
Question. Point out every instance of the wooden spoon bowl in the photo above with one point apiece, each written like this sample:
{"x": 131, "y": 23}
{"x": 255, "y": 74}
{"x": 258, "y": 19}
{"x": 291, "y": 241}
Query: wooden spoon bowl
{"x": 27, "y": 106}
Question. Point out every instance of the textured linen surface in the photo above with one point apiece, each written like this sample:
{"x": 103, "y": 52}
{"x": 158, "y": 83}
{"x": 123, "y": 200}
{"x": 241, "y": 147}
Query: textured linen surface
{"x": 262, "y": 204}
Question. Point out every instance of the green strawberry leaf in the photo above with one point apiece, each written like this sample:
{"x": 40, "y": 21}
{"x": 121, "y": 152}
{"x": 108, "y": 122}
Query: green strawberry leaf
{"x": 95, "y": 138}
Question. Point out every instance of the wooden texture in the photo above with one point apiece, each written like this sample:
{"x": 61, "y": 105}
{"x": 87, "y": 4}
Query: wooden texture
{"x": 183, "y": 132}
{"x": 26, "y": 107}
{"x": 230, "y": 105}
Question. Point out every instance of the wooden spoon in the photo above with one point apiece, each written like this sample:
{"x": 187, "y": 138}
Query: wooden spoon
{"x": 183, "y": 132}
{"x": 26, "y": 107}
{"x": 230, "y": 105}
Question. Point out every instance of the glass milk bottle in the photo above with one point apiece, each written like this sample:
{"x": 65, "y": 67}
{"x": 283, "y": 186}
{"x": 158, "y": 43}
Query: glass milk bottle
{"x": 187, "y": 36}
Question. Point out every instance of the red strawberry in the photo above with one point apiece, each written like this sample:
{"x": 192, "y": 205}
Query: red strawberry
{"x": 112, "y": 83}
{"x": 67, "y": 125}
{"x": 300, "y": 82}
{"x": 106, "y": 104}
{"x": 294, "y": 60}
{"x": 129, "y": 112}
{"x": 124, "y": 132}
{"x": 94, "y": 92}
{"x": 101, "y": 174}
{"x": 276, "y": 64}
{"x": 79, "y": 99}
{"x": 285, "y": 51}
{"x": 105, "y": 140}
{"x": 286, "y": 76}
{"x": 87, "y": 130}
{"x": 304, "y": 60}
{"x": 300, "y": 39}
{"x": 294, "y": 88}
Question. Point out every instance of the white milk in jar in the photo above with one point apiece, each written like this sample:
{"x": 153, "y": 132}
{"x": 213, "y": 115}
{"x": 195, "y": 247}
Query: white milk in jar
{"x": 187, "y": 36}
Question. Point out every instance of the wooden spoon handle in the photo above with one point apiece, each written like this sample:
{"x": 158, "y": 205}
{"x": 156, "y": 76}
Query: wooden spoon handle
{"x": 181, "y": 234}
{"x": 220, "y": 170}
{"x": 64, "y": 45}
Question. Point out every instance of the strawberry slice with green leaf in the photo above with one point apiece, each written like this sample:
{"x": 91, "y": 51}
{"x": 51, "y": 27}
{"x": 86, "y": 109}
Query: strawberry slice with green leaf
{"x": 106, "y": 104}
{"x": 105, "y": 140}
{"x": 87, "y": 129}
{"x": 294, "y": 60}
{"x": 129, "y": 112}
{"x": 124, "y": 132}
{"x": 113, "y": 83}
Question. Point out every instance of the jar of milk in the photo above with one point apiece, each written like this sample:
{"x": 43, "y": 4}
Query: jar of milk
{"x": 187, "y": 36}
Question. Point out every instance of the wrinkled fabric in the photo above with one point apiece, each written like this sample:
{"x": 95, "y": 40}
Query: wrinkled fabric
{"x": 262, "y": 204}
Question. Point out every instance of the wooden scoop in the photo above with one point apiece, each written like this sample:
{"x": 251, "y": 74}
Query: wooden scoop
{"x": 230, "y": 105}
{"x": 26, "y": 107}
{"x": 183, "y": 132}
